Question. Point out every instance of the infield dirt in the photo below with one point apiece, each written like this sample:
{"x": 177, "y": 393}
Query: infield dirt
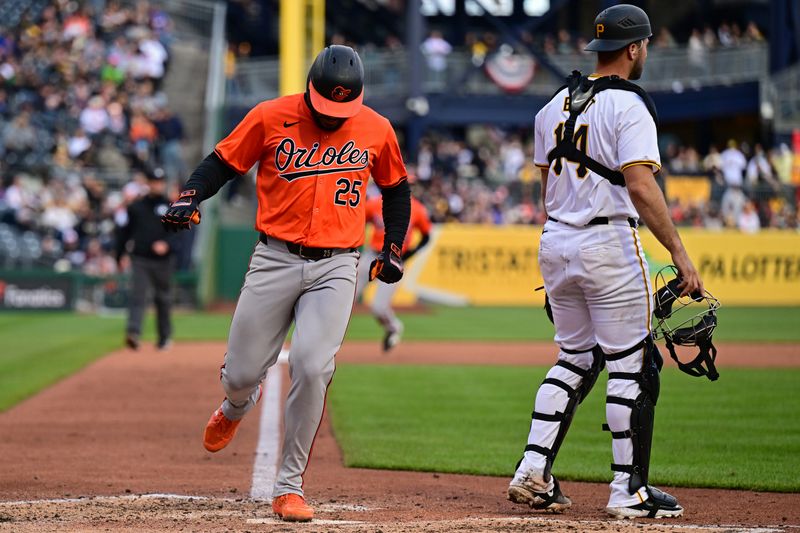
{"x": 117, "y": 447}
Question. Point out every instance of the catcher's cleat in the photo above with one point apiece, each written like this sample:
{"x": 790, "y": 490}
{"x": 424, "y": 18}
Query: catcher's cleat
{"x": 292, "y": 508}
{"x": 658, "y": 505}
{"x": 527, "y": 492}
{"x": 220, "y": 430}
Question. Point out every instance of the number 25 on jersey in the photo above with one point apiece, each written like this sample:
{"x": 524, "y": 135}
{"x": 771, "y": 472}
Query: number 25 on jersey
{"x": 581, "y": 138}
{"x": 347, "y": 192}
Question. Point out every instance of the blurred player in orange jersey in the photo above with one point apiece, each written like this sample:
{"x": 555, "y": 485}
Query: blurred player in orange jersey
{"x": 381, "y": 306}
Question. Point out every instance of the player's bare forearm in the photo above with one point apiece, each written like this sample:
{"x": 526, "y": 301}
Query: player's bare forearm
{"x": 652, "y": 208}
{"x": 545, "y": 172}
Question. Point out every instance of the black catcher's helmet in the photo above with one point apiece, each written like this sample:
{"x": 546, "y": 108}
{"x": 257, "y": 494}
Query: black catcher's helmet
{"x": 619, "y": 26}
{"x": 687, "y": 321}
{"x": 336, "y": 82}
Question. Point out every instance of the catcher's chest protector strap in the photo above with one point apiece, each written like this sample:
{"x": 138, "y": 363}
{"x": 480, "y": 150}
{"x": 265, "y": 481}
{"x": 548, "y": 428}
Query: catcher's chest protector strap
{"x": 581, "y": 92}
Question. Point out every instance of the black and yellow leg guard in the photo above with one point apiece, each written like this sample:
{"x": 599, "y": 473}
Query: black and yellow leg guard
{"x": 576, "y": 396}
{"x": 642, "y": 410}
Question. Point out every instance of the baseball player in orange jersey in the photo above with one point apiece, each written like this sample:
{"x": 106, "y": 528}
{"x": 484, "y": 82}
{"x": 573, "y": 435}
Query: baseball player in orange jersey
{"x": 382, "y": 300}
{"x": 316, "y": 152}
{"x": 596, "y": 144}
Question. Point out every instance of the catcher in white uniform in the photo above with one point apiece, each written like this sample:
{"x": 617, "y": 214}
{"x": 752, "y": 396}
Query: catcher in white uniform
{"x": 595, "y": 142}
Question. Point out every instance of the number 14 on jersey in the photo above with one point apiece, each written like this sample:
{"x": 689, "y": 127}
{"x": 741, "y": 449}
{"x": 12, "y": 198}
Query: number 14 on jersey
{"x": 581, "y": 138}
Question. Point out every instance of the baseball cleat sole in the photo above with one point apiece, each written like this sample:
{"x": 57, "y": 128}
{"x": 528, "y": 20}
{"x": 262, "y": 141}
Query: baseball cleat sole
{"x": 523, "y": 495}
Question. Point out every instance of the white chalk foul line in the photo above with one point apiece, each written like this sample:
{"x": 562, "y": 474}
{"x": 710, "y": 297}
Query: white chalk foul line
{"x": 265, "y": 469}
{"x": 315, "y": 522}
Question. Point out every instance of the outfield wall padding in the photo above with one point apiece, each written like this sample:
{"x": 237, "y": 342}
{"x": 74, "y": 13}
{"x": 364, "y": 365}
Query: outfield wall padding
{"x": 468, "y": 264}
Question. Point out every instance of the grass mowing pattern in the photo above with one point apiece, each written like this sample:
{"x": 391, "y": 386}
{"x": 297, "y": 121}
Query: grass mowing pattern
{"x": 739, "y": 324}
{"x": 38, "y": 349}
{"x": 739, "y": 432}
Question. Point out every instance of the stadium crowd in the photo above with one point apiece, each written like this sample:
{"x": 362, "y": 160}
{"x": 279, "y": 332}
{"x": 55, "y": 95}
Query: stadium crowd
{"x": 436, "y": 47}
{"x": 487, "y": 176}
{"x": 82, "y": 121}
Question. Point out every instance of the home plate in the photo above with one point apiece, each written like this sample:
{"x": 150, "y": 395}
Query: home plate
{"x": 316, "y": 521}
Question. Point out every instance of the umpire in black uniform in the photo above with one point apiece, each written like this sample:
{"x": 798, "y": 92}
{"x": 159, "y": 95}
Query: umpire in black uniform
{"x": 151, "y": 251}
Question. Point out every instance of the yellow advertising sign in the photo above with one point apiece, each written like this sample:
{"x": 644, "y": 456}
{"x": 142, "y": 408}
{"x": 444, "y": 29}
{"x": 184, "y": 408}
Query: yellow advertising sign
{"x": 480, "y": 265}
{"x": 738, "y": 268}
{"x": 498, "y": 265}
{"x": 688, "y": 189}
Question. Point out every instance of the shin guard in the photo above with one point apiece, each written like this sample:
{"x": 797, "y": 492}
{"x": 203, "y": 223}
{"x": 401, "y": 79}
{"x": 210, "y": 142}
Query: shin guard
{"x": 575, "y": 395}
{"x": 642, "y": 411}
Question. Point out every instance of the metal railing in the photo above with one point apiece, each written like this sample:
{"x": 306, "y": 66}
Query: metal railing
{"x": 254, "y": 80}
{"x": 675, "y": 69}
{"x": 193, "y": 19}
{"x": 783, "y": 94}
{"x": 203, "y": 253}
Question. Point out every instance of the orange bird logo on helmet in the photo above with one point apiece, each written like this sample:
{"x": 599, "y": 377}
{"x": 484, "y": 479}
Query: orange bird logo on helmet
{"x": 339, "y": 93}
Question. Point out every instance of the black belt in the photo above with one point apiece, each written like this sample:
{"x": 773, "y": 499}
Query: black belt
{"x": 314, "y": 254}
{"x": 599, "y": 221}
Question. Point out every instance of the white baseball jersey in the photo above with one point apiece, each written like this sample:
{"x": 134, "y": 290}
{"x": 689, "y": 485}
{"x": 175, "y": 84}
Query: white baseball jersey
{"x": 595, "y": 275}
{"x": 617, "y": 131}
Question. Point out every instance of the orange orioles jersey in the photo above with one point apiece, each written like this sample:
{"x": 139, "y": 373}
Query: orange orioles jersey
{"x": 311, "y": 183}
{"x": 419, "y": 220}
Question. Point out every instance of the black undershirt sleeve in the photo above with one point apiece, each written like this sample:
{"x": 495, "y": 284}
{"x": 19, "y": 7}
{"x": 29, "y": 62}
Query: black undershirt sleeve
{"x": 209, "y": 177}
{"x": 396, "y": 213}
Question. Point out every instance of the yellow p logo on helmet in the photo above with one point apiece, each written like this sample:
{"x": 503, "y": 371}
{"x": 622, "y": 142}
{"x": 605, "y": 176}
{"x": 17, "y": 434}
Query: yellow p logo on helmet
{"x": 600, "y": 29}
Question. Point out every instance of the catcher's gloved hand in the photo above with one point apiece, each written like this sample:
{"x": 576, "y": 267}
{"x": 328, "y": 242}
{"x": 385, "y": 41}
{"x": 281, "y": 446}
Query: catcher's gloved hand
{"x": 182, "y": 212}
{"x": 388, "y": 267}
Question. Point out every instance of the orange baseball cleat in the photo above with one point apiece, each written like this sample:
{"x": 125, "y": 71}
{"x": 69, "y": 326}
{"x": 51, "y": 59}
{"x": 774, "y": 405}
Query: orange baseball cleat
{"x": 220, "y": 431}
{"x": 292, "y": 508}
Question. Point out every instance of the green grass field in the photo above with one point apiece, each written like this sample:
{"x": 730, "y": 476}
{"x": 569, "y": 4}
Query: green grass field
{"x": 36, "y": 349}
{"x": 739, "y": 432}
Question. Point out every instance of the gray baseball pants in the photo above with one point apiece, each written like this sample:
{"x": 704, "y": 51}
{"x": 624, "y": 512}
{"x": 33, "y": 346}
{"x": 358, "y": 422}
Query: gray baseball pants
{"x": 381, "y": 305}
{"x": 279, "y": 288}
{"x": 156, "y": 274}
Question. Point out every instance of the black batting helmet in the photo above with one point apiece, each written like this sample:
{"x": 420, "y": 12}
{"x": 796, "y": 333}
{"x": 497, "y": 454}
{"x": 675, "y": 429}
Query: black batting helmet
{"x": 336, "y": 82}
{"x": 619, "y": 26}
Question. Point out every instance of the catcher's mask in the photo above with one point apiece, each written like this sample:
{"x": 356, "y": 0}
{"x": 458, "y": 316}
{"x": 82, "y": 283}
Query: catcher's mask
{"x": 686, "y": 321}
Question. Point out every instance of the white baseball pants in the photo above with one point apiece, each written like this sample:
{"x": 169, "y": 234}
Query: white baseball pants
{"x": 597, "y": 280}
